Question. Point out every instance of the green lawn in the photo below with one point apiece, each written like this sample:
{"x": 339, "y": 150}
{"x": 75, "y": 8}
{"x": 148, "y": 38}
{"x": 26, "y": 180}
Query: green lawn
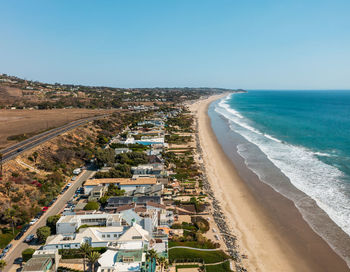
{"x": 192, "y": 254}
{"x": 224, "y": 267}
{"x": 191, "y": 244}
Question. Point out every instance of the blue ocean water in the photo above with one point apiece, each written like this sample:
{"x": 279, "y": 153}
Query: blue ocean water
{"x": 306, "y": 134}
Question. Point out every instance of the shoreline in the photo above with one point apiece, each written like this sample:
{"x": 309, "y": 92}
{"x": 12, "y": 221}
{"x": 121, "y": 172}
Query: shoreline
{"x": 269, "y": 228}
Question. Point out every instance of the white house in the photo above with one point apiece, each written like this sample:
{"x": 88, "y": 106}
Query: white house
{"x": 70, "y": 223}
{"x": 95, "y": 237}
{"x": 127, "y": 253}
{"x": 127, "y": 184}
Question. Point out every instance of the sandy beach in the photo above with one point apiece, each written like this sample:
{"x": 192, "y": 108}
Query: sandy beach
{"x": 270, "y": 230}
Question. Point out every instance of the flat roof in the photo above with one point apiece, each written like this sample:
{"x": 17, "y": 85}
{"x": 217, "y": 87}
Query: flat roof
{"x": 37, "y": 264}
{"x": 121, "y": 181}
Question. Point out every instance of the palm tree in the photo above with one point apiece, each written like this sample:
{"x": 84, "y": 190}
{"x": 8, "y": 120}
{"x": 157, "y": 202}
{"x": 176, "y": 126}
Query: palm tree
{"x": 151, "y": 255}
{"x": 2, "y": 264}
{"x": 93, "y": 257}
{"x": 85, "y": 249}
{"x": 162, "y": 262}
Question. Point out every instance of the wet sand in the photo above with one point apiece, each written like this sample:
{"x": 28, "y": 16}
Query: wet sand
{"x": 270, "y": 229}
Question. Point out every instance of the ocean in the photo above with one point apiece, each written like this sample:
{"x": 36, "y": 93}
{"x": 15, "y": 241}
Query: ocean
{"x": 296, "y": 139}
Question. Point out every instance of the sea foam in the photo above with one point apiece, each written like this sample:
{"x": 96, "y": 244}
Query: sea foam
{"x": 320, "y": 181}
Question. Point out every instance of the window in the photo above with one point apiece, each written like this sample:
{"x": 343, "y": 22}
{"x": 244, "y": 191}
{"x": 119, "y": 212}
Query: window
{"x": 103, "y": 236}
{"x": 115, "y": 235}
{"x": 108, "y": 236}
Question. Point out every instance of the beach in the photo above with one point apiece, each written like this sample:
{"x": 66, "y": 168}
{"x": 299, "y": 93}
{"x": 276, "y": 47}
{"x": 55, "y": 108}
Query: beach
{"x": 269, "y": 228}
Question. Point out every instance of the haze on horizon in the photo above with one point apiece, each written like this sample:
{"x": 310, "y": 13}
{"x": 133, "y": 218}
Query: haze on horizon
{"x": 231, "y": 44}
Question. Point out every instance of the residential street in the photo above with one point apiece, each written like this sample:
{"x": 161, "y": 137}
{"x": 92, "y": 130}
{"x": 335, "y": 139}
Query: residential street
{"x": 19, "y": 245}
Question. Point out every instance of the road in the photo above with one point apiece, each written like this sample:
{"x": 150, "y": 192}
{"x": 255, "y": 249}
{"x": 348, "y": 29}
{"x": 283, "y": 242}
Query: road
{"x": 19, "y": 245}
{"x": 16, "y": 149}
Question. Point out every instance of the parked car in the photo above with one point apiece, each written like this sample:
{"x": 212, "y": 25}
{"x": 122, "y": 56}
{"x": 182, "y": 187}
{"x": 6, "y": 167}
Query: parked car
{"x": 69, "y": 184}
{"x": 7, "y": 248}
{"x": 74, "y": 178}
{"x": 18, "y": 260}
{"x": 45, "y": 209}
{"x": 25, "y": 228}
{"x": 29, "y": 238}
{"x": 77, "y": 171}
{"x": 19, "y": 235}
{"x": 39, "y": 214}
{"x": 2, "y": 255}
{"x": 33, "y": 221}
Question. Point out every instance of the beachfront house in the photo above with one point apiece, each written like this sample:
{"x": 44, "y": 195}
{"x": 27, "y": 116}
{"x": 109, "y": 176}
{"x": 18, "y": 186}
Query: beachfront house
{"x": 127, "y": 184}
{"x": 94, "y": 236}
{"x": 70, "y": 223}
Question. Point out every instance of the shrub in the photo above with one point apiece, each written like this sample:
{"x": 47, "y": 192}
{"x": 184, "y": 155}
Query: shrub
{"x": 92, "y": 205}
{"x": 77, "y": 254}
{"x": 51, "y": 222}
{"x": 27, "y": 254}
{"x": 43, "y": 233}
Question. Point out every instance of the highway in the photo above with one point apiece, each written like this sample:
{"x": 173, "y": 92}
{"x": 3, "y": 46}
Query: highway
{"x": 23, "y": 146}
{"x": 19, "y": 245}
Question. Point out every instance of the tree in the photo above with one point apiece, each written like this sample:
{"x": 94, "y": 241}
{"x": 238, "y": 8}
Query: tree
{"x": 113, "y": 190}
{"x": 105, "y": 156}
{"x": 35, "y": 156}
{"x": 151, "y": 255}
{"x": 85, "y": 249}
{"x": 27, "y": 254}
{"x": 93, "y": 258}
{"x": 2, "y": 264}
{"x": 43, "y": 233}
{"x": 8, "y": 187}
{"x": 92, "y": 205}
{"x": 162, "y": 262}
{"x": 51, "y": 222}
{"x": 10, "y": 214}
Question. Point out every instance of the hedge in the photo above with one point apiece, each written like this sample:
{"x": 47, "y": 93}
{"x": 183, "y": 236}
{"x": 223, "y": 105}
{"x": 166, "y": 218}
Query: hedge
{"x": 92, "y": 205}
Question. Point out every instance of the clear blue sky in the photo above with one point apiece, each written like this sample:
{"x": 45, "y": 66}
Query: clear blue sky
{"x": 251, "y": 44}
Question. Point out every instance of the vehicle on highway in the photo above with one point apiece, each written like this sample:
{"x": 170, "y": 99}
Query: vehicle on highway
{"x": 29, "y": 238}
{"x": 19, "y": 149}
{"x": 33, "y": 221}
{"x": 44, "y": 209}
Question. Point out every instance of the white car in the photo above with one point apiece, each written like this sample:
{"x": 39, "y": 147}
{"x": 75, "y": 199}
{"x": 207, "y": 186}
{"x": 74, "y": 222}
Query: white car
{"x": 69, "y": 184}
{"x": 33, "y": 221}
